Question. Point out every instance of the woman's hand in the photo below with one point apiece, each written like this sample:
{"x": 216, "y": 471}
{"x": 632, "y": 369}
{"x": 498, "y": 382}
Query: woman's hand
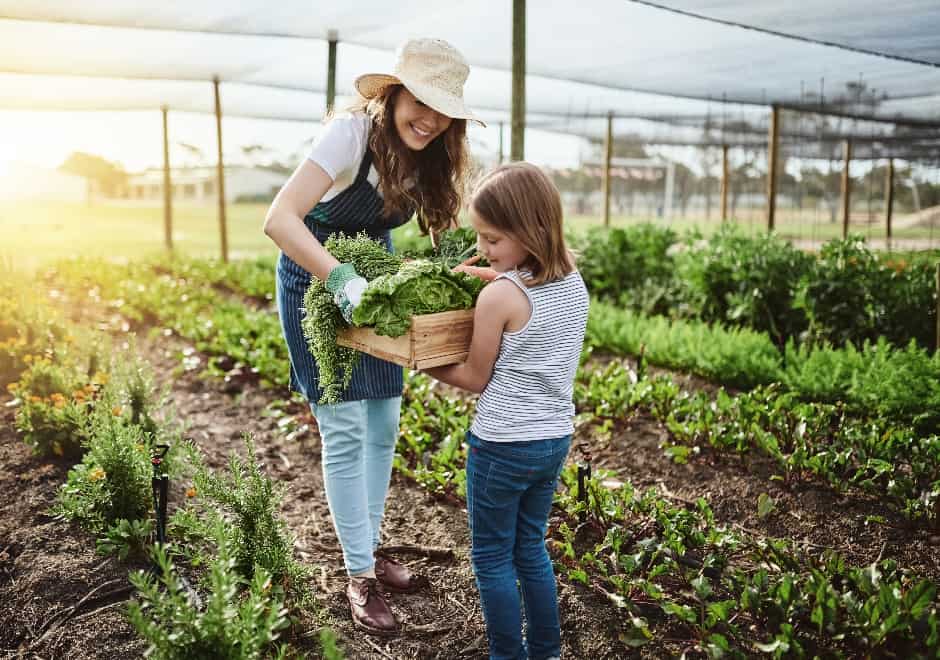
{"x": 485, "y": 274}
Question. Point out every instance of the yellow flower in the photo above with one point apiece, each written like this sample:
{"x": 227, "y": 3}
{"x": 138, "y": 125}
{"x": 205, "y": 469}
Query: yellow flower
{"x": 191, "y": 491}
{"x": 57, "y": 448}
{"x": 11, "y": 388}
{"x": 27, "y": 359}
{"x": 97, "y": 474}
{"x": 101, "y": 378}
{"x": 35, "y": 399}
{"x": 116, "y": 411}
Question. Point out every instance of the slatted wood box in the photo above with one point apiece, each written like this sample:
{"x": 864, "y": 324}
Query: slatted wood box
{"x": 433, "y": 340}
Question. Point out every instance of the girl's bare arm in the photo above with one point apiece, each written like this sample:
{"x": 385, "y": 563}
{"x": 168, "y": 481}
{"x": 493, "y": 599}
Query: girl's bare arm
{"x": 284, "y": 221}
{"x": 489, "y": 321}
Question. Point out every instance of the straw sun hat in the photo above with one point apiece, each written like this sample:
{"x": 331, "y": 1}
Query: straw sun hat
{"x": 432, "y": 70}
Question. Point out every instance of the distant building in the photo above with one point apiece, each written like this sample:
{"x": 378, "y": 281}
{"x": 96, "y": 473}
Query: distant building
{"x": 198, "y": 184}
{"x": 25, "y": 181}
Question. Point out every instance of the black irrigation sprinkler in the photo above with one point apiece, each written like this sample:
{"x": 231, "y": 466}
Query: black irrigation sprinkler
{"x": 584, "y": 475}
{"x": 159, "y": 485}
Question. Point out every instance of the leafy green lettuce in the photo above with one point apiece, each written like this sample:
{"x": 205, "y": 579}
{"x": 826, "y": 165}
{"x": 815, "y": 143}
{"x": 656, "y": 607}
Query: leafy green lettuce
{"x": 419, "y": 287}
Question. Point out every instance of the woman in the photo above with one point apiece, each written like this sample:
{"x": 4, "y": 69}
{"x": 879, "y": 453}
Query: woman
{"x": 401, "y": 151}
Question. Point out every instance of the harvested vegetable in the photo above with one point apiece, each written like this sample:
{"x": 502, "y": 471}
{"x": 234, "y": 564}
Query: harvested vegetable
{"x": 397, "y": 291}
{"x": 322, "y": 320}
{"x": 419, "y": 287}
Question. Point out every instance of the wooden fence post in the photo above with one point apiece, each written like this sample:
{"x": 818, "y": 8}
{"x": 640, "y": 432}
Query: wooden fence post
{"x": 167, "y": 186}
{"x": 220, "y": 170}
{"x": 517, "y": 147}
{"x": 846, "y": 187}
{"x": 772, "y": 147}
{"x": 724, "y": 182}
{"x": 889, "y": 200}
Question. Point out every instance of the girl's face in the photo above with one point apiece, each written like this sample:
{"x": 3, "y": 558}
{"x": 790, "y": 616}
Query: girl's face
{"x": 502, "y": 251}
{"x": 417, "y": 124}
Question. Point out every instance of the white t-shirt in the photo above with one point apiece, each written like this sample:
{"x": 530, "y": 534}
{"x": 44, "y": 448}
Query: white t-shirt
{"x": 339, "y": 150}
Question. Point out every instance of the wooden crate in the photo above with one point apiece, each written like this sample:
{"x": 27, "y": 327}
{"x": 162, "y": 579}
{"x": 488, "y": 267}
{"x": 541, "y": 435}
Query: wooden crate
{"x": 432, "y": 341}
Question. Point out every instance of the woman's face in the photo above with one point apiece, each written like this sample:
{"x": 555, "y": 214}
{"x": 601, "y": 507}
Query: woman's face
{"x": 417, "y": 124}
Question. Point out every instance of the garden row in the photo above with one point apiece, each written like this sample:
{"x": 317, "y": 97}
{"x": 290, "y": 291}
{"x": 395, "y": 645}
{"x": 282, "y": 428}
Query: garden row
{"x": 899, "y": 383}
{"x": 73, "y": 401}
{"x": 861, "y": 428}
{"x": 846, "y": 293}
{"x": 671, "y": 565}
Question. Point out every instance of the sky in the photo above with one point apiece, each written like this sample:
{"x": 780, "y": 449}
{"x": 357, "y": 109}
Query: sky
{"x": 135, "y": 139}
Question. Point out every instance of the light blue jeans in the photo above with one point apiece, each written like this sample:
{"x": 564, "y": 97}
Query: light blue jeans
{"x": 358, "y": 439}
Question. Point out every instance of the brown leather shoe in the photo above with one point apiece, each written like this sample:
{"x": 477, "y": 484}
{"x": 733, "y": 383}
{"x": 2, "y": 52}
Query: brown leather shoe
{"x": 397, "y": 578}
{"x": 369, "y": 609}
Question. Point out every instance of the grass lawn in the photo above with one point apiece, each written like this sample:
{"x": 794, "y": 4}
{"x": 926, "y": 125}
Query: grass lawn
{"x": 34, "y": 233}
{"x": 37, "y": 232}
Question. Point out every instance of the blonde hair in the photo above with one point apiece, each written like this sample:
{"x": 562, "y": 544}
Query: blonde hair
{"x": 439, "y": 171}
{"x": 521, "y": 201}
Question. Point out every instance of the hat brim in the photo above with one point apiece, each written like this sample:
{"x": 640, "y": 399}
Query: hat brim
{"x": 371, "y": 85}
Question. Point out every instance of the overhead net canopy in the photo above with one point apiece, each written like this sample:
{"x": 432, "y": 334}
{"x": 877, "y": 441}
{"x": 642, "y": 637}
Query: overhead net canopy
{"x": 681, "y": 72}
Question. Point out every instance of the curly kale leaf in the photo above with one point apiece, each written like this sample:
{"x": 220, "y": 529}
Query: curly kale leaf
{"x": 323, "y": 319}
{"x": 457, "y": 245}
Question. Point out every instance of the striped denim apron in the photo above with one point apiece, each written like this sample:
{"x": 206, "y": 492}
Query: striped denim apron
{"x": 355, "y": 209}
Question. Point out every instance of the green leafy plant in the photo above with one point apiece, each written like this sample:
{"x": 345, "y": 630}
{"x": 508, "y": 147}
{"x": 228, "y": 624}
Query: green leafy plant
{"x": 248, "y": 500}
{"x": 241, "y": 620}
{"x": 418, "y": 287}
{"x": 56, "y": 399}
{"x": 126, "y": 538}
{"x": 335, "y": 364}
{"x": 744, "y": 280}
{"x": 396, "y": 291}
{"x": 113, "y": 480}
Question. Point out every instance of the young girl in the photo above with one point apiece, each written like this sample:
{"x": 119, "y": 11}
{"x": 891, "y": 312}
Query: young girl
{"x": 402, "y": 150}
{"x": 528, "y": 329}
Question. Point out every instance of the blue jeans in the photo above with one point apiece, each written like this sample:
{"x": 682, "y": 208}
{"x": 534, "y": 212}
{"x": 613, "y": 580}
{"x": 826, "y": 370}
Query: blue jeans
{"x": 510, "y": 486}
{"x": 358, "y": 439}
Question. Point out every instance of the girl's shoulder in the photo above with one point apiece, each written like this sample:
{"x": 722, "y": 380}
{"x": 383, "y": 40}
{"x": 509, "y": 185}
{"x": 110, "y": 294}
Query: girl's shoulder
{"x": 507, "y": 298}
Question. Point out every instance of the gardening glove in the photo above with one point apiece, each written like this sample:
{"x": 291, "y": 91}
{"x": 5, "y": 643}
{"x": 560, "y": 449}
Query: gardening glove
{"x": 347, "y": 286}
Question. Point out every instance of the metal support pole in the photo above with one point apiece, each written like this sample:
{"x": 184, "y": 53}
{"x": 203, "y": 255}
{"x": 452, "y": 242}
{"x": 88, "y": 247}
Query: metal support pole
{"x": 333, "y": 37}
{"x": 502, "y": 149}
{"x": 846, "y": 186}
{"x": 889, "y": 200}
{"x": 772, "y": 148}
{"x": 724, "y": 182}
{"x": 670, "y": 189}
{"x": 936, "y": 344}
{"x": 167, "y": 186}
{"x": 517, "y": 149}
{"x": 220, "y": 172}
{"x": 608, "y": 151}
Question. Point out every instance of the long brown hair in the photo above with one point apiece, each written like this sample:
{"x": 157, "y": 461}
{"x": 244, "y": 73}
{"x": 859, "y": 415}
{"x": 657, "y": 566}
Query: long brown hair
{"x": 521, "y": 201}
{"x": 438, "y": 172}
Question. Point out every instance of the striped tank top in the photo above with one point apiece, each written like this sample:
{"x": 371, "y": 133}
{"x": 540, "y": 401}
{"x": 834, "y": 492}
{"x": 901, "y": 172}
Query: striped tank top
{"x": 529, "y": 396}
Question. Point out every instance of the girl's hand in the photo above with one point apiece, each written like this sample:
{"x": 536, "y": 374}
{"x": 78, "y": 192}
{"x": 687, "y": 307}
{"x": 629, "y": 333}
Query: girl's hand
{"x": 485, "y": 274}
